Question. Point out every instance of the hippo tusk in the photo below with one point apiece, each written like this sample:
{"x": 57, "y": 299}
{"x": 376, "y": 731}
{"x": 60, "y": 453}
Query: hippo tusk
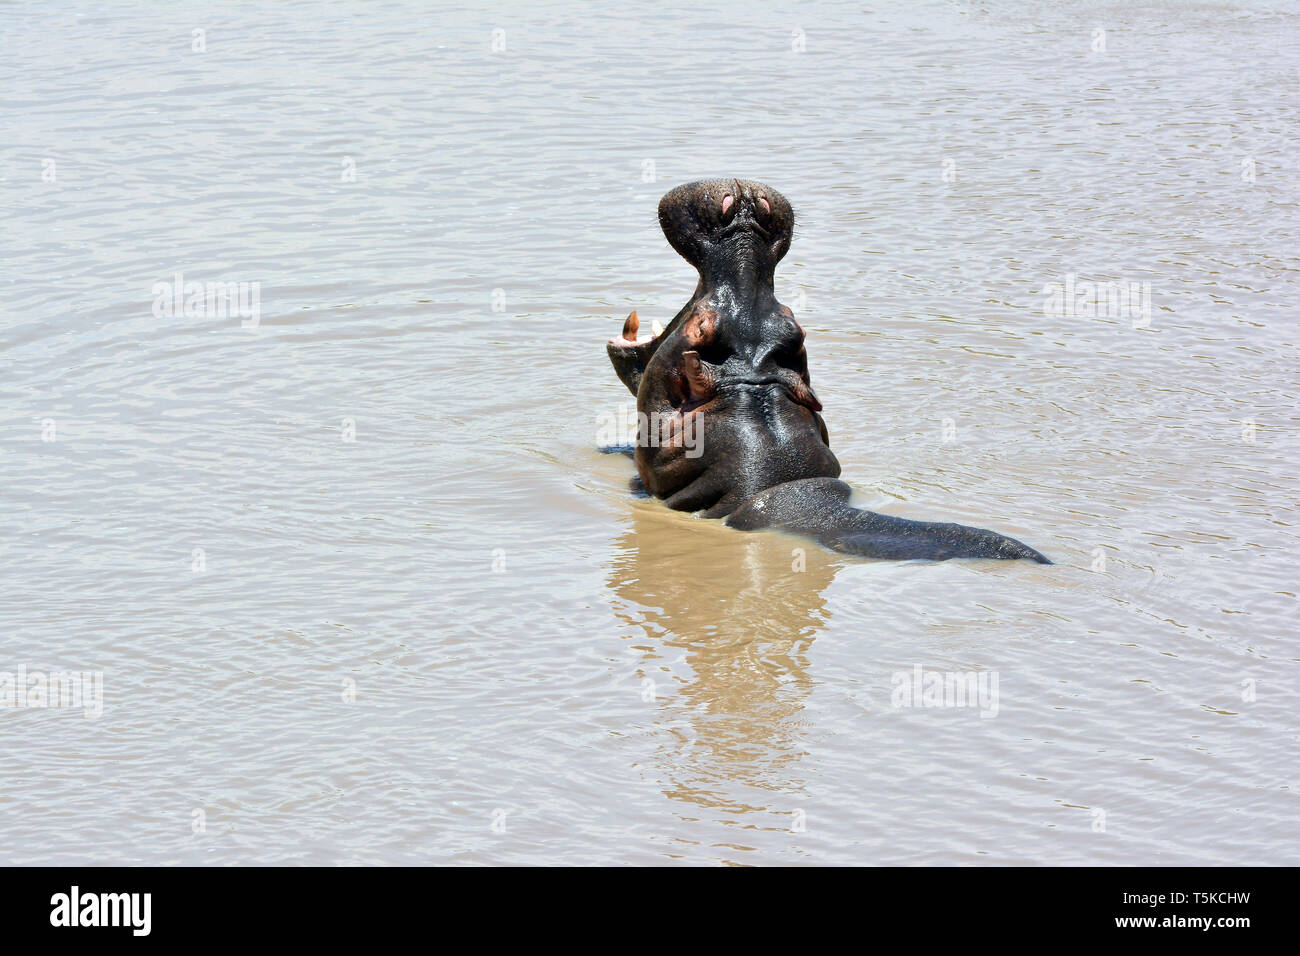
{"x": 630, "y": 326}
{"x": 702, "y": 383}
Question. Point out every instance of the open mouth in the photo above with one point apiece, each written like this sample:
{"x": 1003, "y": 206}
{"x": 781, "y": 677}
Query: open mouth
{"x": 631, "y": 336}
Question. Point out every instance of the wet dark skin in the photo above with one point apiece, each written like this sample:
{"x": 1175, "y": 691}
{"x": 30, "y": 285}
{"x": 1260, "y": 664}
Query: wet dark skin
{"x": 730, "y": 424}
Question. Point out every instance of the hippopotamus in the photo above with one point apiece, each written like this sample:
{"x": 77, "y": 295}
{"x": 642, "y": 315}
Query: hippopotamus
{"x": 728, "y": 423}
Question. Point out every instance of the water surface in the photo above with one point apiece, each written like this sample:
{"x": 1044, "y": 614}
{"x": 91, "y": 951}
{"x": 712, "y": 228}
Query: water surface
{"x": 362, "y": 588}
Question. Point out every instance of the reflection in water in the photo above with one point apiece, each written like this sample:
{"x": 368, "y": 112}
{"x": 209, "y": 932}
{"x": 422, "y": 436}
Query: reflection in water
{"x": 740, "y": 611}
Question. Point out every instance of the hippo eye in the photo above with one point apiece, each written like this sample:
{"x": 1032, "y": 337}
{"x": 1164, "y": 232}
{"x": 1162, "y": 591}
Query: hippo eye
{"x": 791, "y": 356}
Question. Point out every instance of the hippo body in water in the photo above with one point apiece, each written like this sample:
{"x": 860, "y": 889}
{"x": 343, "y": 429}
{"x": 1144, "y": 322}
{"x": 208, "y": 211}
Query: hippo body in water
{"x": 729, "y": 423}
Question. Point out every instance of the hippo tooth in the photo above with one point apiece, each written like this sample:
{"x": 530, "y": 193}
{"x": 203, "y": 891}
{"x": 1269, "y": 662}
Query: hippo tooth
{"x": 630, "y": 327}
{"x": 656, "y": 328}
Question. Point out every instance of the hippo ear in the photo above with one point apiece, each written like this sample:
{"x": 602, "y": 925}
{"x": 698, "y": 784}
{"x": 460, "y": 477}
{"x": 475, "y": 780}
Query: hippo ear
{"x": 805, "y": 396}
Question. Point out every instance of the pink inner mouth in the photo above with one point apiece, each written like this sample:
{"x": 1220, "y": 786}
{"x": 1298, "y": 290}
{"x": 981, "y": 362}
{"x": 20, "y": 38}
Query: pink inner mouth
{"x": 727, "y": 200}
{"x": 628, "y": 338}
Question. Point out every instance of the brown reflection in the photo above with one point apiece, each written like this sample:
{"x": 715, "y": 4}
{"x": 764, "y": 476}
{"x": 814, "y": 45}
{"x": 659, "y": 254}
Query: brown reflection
{"x": 730, "y": 618}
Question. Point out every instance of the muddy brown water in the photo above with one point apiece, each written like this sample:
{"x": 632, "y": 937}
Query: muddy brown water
{"x": 362, "y": 589}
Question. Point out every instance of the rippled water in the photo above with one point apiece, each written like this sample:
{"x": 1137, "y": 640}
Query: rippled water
{"x": 390, "y": 486}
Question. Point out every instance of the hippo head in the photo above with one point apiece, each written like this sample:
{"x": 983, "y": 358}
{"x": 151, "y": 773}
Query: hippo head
{"x": 723, "y": 393}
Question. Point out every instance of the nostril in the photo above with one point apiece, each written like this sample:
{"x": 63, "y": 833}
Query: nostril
{"x": 727, "y": 202}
